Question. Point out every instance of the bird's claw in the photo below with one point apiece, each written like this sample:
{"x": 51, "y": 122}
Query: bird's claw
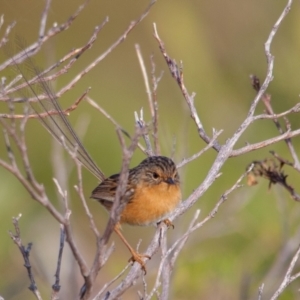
{"x": 137, "y": 257}
{"x": 168, "y": 223}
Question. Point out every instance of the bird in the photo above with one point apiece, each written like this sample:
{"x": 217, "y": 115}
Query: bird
{"x": 152, "y": 194}
{"x": 153, "y": 188}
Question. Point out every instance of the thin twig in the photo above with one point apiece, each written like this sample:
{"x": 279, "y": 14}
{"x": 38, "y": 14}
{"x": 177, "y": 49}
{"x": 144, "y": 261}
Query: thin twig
{"x": 177, "y": 74}
{"x": 44, "y": 19}
{"x": 49, "y": 113}
{"x": 155, "y": 81}
{"x": 56, "y": 286}
{"x": 288, "y": 278}
{"x": 265, "y": 143}
{"x": 266, "y": 99}
{"x": 40, "y": 75}
{"x": 145, "y": 77}
{"x": 25, "y": 252}
{"x": 260, "y": 292}
{"x": 4, "y": 39}
{"x": 153, "y": 109}
{"x": 196, "y": 155}
{"x": 167, "y": 253}
{"x": 112, "y": 120}
{"x": 79, "y": 189}
{"x": 108, "y": 284}
{"x": 294, "y": 109}
{"x": 36, "y": 46}
{"x": 139, "y": 120}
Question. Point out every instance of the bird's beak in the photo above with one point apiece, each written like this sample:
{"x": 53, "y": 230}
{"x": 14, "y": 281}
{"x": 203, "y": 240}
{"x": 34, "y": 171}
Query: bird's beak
{"x": 170, "y": 180}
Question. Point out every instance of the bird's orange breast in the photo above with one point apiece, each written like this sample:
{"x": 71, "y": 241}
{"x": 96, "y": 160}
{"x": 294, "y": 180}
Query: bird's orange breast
{"x": 151, "y": 204}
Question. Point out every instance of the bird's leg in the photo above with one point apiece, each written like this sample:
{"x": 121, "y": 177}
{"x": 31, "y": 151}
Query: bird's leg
{"x": 135, "y": 255}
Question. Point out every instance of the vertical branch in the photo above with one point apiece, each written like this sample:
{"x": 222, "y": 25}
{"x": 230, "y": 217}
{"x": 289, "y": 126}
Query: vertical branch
{"x": 44, "y": 19}
{"x": 25, "y": 253}
{"x": 139, "y": 120}
{"x": 56, "y": 286}
{"x": 166, "y": 270}
{"x": 155, "y": 106}
{"x": 145, "y": 77}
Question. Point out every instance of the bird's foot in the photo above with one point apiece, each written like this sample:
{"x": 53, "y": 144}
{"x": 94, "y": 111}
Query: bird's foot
{"x": 168, "y": 223}
{"x": 137, "y": 257}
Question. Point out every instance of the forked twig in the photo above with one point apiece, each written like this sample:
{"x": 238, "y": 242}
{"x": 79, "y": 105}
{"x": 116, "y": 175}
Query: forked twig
{"x": 25, "y": 251}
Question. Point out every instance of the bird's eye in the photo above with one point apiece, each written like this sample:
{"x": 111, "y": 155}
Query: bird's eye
{"x": 155, "y": 175}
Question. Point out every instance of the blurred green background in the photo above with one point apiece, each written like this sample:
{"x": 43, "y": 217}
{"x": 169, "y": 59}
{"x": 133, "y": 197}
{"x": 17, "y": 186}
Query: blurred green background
{"x": 220, "y": 43}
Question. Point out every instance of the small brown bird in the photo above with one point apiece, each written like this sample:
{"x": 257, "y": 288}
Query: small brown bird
{"x": 153, "y": 187}
{"x": 153, "y": 192}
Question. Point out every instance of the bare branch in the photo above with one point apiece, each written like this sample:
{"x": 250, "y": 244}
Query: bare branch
{"x": 155, "y": 105}
{"x": 195, "y": 156}
{"x": 108, "y": 284}
{"x": 139, "y": 120}
{"x": 4, "y": 39}
{"x": 56, "y": 286}
{"x": 145, "y": 77}
{"x": 68, "y": 231}
{"x": 35, "y": 47}
{"x": 44, "y": 19}
{"x": 46, "y": 114}
{"x": 266, "y": 98}
{"x": 260, "y": 292}
{"x": 25, "y": 252}
{"x": 265, "y": 143}
{"x": 288, "y": 278}
{"x": 177, "y": 74}
{"x": 113, "y": 121}
{"x": 152, "y": 106}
